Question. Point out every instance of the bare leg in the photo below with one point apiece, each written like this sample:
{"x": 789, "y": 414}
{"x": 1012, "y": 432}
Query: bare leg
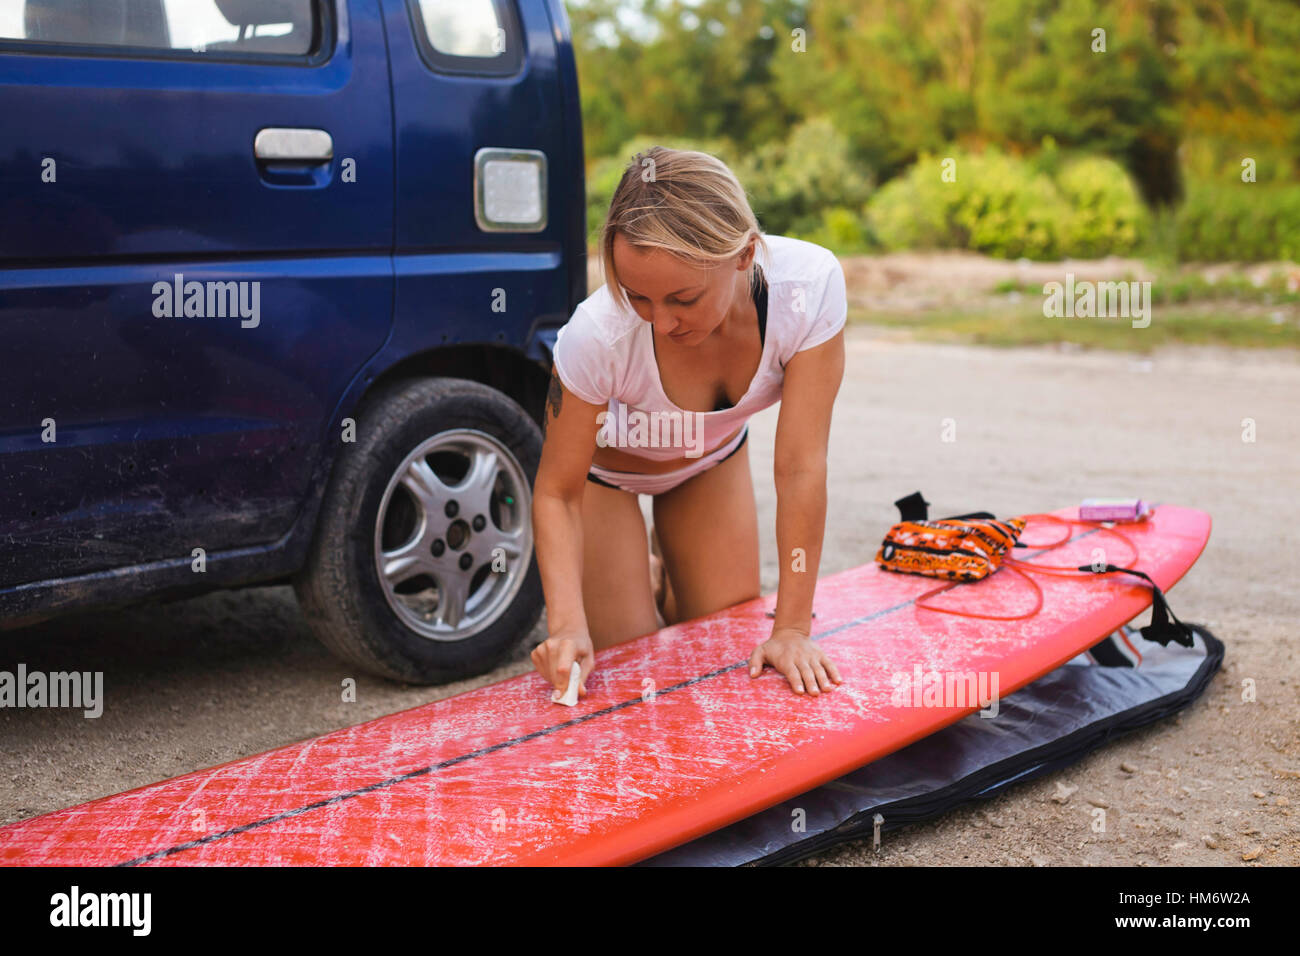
{"x": 660, "y": 585}
{"x": 616, "y": 592}
{"x": 708, "y": 531}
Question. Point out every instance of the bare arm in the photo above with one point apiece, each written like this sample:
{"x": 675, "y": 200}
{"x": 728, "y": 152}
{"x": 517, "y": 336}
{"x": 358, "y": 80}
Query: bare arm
{"x": 812, "y": 380}
{"x": 569, "y": 429}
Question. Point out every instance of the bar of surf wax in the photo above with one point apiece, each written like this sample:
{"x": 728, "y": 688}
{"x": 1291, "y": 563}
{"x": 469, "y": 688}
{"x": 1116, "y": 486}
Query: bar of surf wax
{"x": 570, "y": 696}
{"x": 1112, "y": 509}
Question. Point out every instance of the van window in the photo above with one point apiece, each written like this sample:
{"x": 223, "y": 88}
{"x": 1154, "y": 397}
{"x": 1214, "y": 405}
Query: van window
{"x": 196, "y": 26}
{"x": 468, "y": 36}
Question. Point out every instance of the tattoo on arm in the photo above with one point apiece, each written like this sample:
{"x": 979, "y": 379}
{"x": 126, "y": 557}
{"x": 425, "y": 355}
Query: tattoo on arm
{"x": 554, "y": 397}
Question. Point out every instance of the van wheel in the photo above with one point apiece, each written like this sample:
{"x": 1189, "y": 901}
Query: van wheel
{"x": 422, "y": 566}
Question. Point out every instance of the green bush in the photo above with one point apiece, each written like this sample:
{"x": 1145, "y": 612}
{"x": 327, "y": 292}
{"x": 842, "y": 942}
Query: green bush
{"x": 997, "y": 204}
{"x": 1011, "y": 207}
{"x": 1239, "y": 222}
{"x": 1107, "y": 216}
{"x": 918, "y": 211}
{"x": 809, "y": 183}
{"x": 1286, "y": 225}
{"x": 841, "y": 230}
{"x": 1009, "y": 212}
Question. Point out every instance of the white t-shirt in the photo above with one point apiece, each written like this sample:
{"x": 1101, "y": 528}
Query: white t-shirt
{"x": 604, "y": 354}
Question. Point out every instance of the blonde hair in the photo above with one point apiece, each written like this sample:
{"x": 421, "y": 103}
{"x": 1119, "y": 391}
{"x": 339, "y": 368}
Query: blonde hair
{"x": 688, "y": 203}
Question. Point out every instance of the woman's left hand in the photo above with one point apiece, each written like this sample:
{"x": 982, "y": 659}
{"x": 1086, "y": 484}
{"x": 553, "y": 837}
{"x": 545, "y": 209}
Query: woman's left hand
{"x": 803, "y": 663}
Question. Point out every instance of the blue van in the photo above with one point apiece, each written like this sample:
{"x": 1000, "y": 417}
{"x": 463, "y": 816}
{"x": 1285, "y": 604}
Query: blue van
{"x": 278, "y": 285}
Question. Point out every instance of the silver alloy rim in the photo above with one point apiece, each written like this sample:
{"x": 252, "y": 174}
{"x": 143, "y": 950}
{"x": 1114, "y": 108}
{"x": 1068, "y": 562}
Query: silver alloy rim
{"x": 453, "y": 540}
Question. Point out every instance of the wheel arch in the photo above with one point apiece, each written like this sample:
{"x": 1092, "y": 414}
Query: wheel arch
{"x": 508, "y": 370}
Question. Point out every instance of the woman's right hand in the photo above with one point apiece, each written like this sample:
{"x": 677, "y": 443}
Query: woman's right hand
{"x": 554, "y": 658}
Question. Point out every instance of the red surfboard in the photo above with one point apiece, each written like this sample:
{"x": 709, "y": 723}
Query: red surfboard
{"x": 674, "y": 739}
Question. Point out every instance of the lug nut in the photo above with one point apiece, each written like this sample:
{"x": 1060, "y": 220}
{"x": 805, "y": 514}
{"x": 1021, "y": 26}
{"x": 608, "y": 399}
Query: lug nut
{"x": 452, "y": 509}
{"x": 465, "y": 562}
{"x": 479, "y": 522}
{"x": 438, "y": 548}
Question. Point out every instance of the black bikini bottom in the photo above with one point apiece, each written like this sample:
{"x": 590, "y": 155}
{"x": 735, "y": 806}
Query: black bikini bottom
{"x": 741, "y": 444}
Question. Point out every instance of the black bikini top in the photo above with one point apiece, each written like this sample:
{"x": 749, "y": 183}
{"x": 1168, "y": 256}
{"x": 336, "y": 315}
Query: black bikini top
{"x": 758, "y": 291}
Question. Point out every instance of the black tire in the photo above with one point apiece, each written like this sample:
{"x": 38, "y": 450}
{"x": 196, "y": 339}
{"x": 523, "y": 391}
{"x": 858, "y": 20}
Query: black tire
{"x": 350, "y": 609}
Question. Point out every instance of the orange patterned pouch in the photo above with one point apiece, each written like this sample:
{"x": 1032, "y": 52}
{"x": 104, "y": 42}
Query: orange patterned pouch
{"x": 958, "y": 549}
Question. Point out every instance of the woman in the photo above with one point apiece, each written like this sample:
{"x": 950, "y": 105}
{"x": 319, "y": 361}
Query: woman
{"x": 655, "y": 375}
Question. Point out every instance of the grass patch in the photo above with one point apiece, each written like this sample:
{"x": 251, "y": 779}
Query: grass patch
{"x": 1190, "y": 287}
{"x": 1176, "y": 288}
{"x": 1021, "y": 325}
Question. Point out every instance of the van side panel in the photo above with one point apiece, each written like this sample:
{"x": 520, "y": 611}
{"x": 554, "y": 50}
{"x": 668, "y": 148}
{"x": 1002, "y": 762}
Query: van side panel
{"x": 143, "y": 416}
{"x": 457, "y": 284}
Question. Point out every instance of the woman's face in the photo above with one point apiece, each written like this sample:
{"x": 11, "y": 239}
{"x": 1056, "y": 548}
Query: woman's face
{"x": 683, "y": 302}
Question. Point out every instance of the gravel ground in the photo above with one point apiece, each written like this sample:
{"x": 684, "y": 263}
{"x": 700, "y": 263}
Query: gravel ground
{"x": 203, "y": 681}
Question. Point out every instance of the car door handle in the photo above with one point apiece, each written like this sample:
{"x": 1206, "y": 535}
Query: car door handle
{"x": 282, "y": 144}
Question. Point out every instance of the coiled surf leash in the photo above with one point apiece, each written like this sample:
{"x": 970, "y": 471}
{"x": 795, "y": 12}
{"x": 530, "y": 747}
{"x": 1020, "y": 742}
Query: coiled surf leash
{"x": 992, "y": 535}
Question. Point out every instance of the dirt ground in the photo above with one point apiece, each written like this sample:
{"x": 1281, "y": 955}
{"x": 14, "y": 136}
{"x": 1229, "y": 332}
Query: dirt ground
{"x": 212, "y": 679}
